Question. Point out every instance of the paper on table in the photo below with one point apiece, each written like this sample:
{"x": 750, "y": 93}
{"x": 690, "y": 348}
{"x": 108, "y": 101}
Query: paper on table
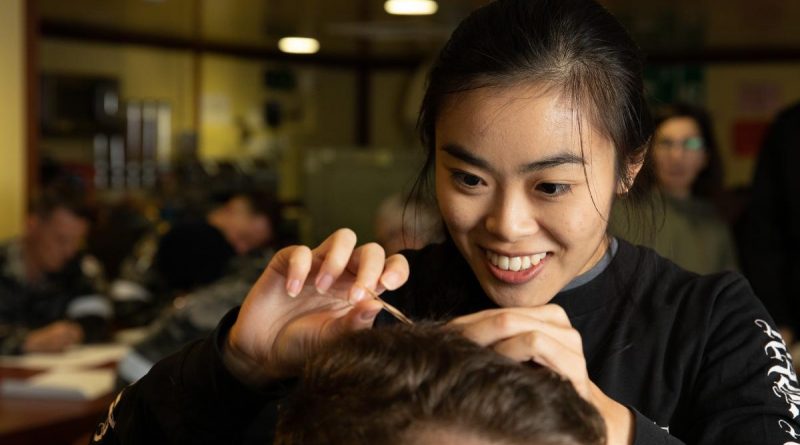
{"x": 64, "y": 384}
{"x": 84, "y": 356}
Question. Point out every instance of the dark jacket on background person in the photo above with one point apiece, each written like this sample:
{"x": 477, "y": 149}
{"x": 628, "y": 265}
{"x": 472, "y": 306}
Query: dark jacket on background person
{"x": 697, "y": 358}
{"x": 188, "y": 256}
{"x": 196, "y": 317}
{"x": 71, "y": 294}
{"x": 770, "y": 230}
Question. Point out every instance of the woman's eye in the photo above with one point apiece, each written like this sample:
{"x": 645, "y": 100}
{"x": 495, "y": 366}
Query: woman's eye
{"x": 467, "y": 179}
{"x": 551, "y": 189}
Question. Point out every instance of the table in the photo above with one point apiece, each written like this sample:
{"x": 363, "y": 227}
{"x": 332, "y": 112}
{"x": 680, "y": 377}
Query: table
{"x": 54, "y": 422}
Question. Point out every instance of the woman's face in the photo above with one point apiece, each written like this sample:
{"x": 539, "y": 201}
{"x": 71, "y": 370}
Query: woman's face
{"x": 678, "y": 155}
{"x": 525, "y": 206}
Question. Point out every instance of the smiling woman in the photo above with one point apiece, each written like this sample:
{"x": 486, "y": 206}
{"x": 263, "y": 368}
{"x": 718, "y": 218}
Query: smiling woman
{"x": 533, "y": 121}
{"x": 515, "y": 179}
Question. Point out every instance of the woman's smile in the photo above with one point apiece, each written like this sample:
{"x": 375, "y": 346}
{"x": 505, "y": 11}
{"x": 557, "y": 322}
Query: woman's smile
{"x": 515, "y": 269}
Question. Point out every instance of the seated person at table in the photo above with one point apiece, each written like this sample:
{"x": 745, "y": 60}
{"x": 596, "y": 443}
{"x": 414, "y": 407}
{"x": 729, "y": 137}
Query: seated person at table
{"x": 195, "y": 317}
{"x": 49, "y": 296}
{"x": 426, "y": 385}
{"x": 193, "y": 254}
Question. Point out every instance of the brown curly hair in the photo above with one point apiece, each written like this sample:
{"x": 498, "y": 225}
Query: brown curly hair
{"x": 382, "y": 386}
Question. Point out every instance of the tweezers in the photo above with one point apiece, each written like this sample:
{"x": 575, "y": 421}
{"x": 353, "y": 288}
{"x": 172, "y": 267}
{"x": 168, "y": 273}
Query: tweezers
{"x": 393, "y": 311}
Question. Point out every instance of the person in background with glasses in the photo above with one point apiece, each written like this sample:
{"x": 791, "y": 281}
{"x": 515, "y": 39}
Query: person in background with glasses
{"x": 688, "y": 173}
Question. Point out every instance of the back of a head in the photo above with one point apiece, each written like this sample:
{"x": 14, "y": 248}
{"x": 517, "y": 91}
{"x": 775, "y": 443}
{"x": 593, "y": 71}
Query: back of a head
{"x": 387, "y": 385}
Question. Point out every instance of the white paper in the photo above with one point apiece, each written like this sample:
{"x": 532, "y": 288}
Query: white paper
{"x": 85, "y": 356}
{"x": 64, "y": 384}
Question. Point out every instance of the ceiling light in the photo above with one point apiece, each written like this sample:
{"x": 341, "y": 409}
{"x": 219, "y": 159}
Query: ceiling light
{"x": 298, "y": 45}
{"x": 411, "y": 7}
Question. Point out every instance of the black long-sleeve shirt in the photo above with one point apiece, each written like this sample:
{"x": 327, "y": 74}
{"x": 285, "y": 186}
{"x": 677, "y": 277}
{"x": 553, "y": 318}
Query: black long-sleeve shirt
{"x": 696, "y": 357}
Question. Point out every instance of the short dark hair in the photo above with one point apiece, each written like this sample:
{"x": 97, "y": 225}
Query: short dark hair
{"x": 48, "y": 201}
{"x": 574, "y": 46}
{"x": 375, "y": 386}
{"x": 709, "y": 181}
{"x": 260, "y": 202}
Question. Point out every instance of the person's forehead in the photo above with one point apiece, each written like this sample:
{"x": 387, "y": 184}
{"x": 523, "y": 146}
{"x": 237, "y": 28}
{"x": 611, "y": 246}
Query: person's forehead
{"x": 679, "y": 124}
{"x": 257, "y": 222}
{"x": 482, "y": 107}
{"x": 64, "y": 220}
{"x": 508, "y": 116}
{"x": 512, "y": 129}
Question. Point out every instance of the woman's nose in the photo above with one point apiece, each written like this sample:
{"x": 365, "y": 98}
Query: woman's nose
{"x": 512, "y": 218}
{"x": 676, "y": 151}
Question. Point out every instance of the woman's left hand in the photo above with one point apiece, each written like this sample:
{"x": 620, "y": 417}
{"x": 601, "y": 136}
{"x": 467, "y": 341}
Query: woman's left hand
{"x": 545, "y": 335}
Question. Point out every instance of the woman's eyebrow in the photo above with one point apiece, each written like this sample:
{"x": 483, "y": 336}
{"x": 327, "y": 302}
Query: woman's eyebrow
{"x": 565, "y": 158}
{"x": 558, "y": 159}
{"x": 459, "y": 152}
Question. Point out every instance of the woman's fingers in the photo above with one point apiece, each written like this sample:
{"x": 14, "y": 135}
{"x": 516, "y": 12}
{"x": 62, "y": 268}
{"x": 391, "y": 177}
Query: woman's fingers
{"x": 299, "y": 265}
{"x": 305, "y": 335}
{"x": 549, "y": 313}
{"x": 367, "y": 262}
{"x": 335, "y": 253}
{"x": 361, "y": 316}
{"x": 395, "y": 272}
{"x": 504, "y": 325}
{"x": 541, "y": 334}
{"x": 545, "y": 350}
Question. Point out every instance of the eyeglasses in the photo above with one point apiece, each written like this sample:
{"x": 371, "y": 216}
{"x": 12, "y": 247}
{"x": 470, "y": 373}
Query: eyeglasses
{"x": 689, "y": 144}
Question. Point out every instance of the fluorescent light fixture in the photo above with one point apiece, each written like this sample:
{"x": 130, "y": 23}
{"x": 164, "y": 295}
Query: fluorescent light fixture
{"x": 298, "y": 45}
{"x": 411, "y": 7}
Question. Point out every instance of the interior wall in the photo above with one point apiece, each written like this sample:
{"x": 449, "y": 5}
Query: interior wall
{"x": 144, "y": 73}
{"x": 388, "y": 101}
{"x": 12, "y": 121}
{"x": 747, "y": 96}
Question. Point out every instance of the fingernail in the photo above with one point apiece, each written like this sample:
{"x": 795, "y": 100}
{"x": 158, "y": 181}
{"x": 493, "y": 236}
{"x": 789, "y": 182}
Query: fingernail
{"x": 294, "y": 288}
{"x": 390, "y": 280}
{"x": 369, "y": 315}
{"x": 324, "y": 281}
{"x": 356, "y": 294}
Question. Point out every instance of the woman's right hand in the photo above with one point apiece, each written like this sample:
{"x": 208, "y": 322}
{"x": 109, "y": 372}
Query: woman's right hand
{"x": 304, "y": 299}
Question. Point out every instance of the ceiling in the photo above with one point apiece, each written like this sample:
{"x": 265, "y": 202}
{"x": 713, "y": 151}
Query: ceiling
{"x": 342, "y": 26}
{"x": 352, "y": 27}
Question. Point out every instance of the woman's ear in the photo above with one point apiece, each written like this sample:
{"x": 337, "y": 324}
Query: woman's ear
{"x": 633, "y": 167}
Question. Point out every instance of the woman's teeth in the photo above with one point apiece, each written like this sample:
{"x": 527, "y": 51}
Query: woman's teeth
{"x": 515, "y": 263}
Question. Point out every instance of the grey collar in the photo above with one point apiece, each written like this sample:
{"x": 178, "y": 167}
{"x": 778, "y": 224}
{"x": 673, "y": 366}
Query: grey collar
{"x": 597, "y": 269}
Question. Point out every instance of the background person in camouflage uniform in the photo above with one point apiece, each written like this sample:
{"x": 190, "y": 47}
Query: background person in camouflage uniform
{"x": 49, "y": 290}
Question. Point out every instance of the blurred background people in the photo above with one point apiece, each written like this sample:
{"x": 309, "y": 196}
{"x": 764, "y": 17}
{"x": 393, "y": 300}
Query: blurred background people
{"x": 195, "y": 317}
{"x": 196, "y": 314}
{"x": 770, "y": 229}
{"x": 406, "y": 224}
{"x": 195, "y": 253}
{"x": 682, "y": 223}
{"x": 49, "y": 290}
